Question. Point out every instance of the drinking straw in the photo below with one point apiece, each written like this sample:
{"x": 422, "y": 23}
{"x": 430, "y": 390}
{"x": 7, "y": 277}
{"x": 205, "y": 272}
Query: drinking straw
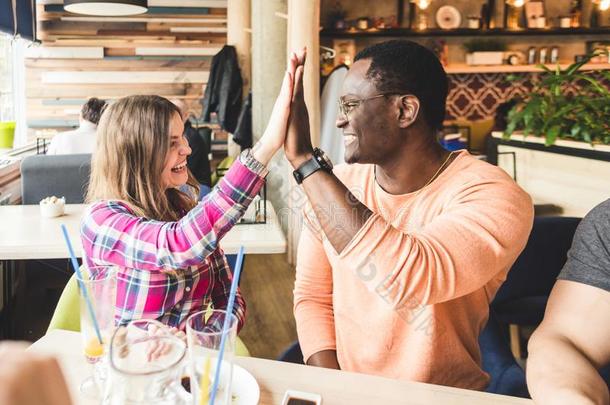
{"x": 204, "y": 383}
{"x": 225, "y": 326}
{"x": 79, "y": 278}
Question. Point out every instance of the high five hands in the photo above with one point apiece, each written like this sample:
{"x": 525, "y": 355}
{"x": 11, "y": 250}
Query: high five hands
{"x": 298, "y": 147}
{"x": 289, "y": 122}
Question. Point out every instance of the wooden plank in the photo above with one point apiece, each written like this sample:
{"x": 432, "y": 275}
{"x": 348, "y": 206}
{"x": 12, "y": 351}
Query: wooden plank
{"x": 52, "y": 123}
{"x": 156, "y": 26}
{"x": 111, "y": 90}
{"x": 188, "y": 3}
{"x": 203, "y": 63}
{"x": 91, "y": 52}
{"x": 199, "y": 29}
{"x": 203, "y": 34}
{"x": 130, "y": 52}
{"x": 54, "y": 102}
{"x": 59, "y": 8}
{"x": 64, "y": 101}
{"x": 141, "y": 77}
{"x": 177, "y": 51}
{"x": 146, "y": 20}
{"x": 56, "y": 27}
{"x": 152, "y": 42}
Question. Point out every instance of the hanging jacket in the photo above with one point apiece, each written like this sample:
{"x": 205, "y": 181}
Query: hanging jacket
{"x": 198, "y": 161}
{"x": 223, "y": 93}
{"x": 243, "y": 132}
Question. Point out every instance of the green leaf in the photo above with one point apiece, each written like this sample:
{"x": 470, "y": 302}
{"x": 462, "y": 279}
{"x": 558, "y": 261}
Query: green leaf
{"x": 552, "y": 134}
{"x": 544, "y": 67}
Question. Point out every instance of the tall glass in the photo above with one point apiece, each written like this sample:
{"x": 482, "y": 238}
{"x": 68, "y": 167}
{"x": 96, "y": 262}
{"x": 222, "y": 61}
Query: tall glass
{"x": 97, "y": 297}
{"x": 146, "y": 363}
{"x": 204, "y": 334}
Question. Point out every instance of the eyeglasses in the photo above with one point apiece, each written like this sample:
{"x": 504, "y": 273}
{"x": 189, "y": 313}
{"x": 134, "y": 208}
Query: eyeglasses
{"x": 347, "y": 106}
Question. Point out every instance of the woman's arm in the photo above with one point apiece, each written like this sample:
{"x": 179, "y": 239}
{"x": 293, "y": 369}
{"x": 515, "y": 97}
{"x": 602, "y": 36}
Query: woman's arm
{"x": 112, "y": 234}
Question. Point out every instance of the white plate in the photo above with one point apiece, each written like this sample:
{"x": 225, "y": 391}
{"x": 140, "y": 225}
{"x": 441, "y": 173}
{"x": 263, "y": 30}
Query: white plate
{"x": 244, "y": 388}
{"x": 448, "y": 17}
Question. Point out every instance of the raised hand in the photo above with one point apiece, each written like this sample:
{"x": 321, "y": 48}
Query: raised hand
{"x": 275, "y": 133}
{"x": 298, "y": 145}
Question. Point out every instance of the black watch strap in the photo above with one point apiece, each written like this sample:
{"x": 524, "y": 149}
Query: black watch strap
{"x": 306, "y": 169}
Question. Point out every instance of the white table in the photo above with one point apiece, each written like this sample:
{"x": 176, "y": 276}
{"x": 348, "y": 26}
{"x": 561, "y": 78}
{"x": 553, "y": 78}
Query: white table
{"x": 274, "y": 378}
{"x": 24, "y": 235}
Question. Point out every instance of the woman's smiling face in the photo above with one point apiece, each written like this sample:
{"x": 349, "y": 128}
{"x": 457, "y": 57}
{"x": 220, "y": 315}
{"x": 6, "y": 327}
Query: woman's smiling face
{"x": 175, "y": 173}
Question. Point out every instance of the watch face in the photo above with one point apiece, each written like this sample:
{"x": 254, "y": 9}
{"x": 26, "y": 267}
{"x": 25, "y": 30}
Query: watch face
{"x": 325, "y": 159}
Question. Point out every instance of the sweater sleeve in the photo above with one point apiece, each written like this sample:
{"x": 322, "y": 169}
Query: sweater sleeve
{"x": 313, "y": 295}
{"x": 480, "y": 233}
{"x": 112, "y": 234}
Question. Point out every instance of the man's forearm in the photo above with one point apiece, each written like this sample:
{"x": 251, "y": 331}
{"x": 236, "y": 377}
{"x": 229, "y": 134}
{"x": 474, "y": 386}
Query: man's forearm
{"x": 566, "y": 379}
{"x": 337, "y": 210}
{"x": 324, "y": 358}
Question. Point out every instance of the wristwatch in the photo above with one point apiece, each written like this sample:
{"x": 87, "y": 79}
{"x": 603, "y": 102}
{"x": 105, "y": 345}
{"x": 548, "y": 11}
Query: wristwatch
{"x": 319, "y": 161}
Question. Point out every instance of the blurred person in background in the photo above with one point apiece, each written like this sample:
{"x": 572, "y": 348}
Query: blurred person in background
{"x": 82, "y": 139}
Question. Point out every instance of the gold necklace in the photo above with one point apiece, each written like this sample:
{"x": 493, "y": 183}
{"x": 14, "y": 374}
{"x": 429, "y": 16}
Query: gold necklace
{"x": 440, "y": 169}
{"x": 434, "y": 176}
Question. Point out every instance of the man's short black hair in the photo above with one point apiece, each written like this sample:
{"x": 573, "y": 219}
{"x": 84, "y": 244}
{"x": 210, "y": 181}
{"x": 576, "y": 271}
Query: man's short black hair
{"x": 92, "y": 110}
{"x": 407, "y": 67}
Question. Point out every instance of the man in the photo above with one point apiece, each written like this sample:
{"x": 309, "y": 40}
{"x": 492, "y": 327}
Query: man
{"x": 406, "y": 245}
{"x": 82, "y": 139}
{"x": 573, "y": 341}
{"x": 198, "y": 161}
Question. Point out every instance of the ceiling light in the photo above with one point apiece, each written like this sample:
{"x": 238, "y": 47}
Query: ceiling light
{"x": 107, "y": 8}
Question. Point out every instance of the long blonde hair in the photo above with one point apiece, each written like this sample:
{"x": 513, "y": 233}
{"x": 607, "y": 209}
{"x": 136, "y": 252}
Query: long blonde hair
{"x": 133, "y": 139}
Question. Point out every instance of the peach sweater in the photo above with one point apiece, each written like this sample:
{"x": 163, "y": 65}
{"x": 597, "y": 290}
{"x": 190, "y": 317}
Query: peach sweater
{"x": 409, "y": 295}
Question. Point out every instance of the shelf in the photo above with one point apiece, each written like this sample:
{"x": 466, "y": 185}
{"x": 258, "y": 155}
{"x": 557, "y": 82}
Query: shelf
{"x": 471, "y": 69}
{"x": 561, "y": 146}
{"x": 460, "y": 32}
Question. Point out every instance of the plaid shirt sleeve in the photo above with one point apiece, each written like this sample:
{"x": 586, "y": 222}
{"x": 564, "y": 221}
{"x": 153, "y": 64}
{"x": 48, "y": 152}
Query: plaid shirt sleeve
{"x": 113, "y": 235}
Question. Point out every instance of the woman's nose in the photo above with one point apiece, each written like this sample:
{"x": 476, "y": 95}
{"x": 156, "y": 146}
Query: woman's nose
{"x": 185, "y": 149}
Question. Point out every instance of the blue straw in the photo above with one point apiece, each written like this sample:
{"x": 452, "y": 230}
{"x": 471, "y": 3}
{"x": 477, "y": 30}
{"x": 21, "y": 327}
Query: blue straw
{"x": 79, "y": 278}
{"x": 225, "y": 326}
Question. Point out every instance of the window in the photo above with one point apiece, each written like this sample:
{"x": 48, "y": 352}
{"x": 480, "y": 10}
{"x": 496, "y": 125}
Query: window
{"x": 12, "y": 85}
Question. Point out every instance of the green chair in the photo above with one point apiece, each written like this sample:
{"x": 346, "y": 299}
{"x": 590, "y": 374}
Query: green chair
{"x": 221, "y": 169}
{"x": 67, "y": 315}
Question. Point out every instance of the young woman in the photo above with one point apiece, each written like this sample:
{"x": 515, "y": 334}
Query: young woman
{"x": 164, "y": 242}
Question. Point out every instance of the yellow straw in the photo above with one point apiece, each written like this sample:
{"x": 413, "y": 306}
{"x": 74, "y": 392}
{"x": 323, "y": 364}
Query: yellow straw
{"x": 204, "y": 383}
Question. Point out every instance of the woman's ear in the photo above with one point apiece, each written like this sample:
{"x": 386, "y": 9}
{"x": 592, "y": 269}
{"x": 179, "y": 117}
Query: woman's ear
{"x": 408, "y": 107}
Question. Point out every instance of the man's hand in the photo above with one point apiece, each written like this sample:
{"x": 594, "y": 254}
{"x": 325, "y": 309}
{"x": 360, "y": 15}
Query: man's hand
{"x": 29, "y": 378}
{"x": 298, "y": 145}
{"x": 324, "y": 358}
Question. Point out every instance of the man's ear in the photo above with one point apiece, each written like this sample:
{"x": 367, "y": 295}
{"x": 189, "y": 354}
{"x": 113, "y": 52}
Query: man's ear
{"x": 408, "y": 107}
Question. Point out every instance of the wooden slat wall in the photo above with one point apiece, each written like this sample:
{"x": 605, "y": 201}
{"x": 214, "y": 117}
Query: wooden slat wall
{"x": 165, "y": 52}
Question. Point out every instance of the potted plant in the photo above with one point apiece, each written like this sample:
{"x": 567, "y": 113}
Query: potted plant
{"x": 7, "y": 134}
{"x": 484, "y": 52}
{"x": 551, "y": 113}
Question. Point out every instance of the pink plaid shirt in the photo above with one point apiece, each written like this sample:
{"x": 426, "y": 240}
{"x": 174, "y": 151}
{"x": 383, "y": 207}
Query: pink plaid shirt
{"x": 169, "y": 270}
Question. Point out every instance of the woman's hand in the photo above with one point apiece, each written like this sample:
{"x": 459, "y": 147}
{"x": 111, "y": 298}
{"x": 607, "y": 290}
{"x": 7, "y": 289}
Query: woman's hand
{"x": 298, "y": 145}
{"x": 275, "y": 133}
